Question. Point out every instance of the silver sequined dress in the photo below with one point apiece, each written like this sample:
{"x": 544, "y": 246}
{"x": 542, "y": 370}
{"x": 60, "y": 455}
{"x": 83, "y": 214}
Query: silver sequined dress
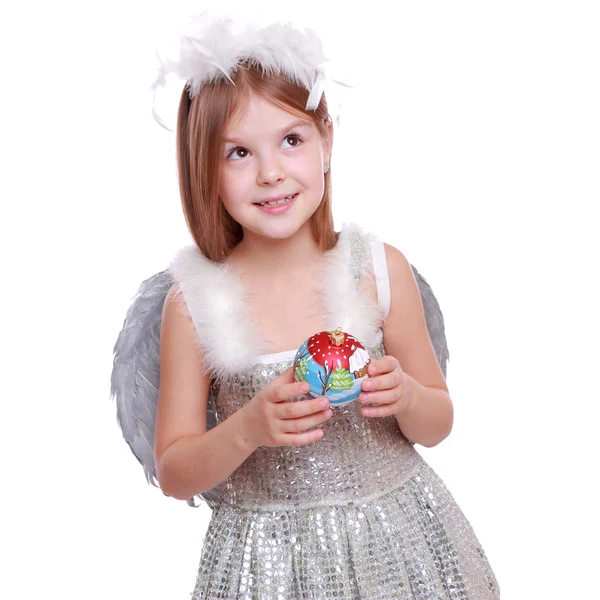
{"x": 355, "y": 515}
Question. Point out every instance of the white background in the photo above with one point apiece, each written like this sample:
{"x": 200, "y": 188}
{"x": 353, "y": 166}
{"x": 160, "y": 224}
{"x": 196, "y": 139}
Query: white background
{"x": 470, "y": 141}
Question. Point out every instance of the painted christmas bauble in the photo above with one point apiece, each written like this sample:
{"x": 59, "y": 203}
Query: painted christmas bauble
{"x": 334, "y": 363}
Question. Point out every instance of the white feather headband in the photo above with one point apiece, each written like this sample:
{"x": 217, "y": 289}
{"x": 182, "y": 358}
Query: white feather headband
{"x": 213, "y": 47}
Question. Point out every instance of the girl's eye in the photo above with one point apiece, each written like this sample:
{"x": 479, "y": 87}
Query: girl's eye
{"x": 239, "y": 152}
{"x": 294, "y": 136}
{"x": 237, "y": 149}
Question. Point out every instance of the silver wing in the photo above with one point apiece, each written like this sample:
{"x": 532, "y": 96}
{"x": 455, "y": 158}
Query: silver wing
{"x": 434, "y": 320}
{"x": 136, "y": 370}
{"x": 135, "y": 377}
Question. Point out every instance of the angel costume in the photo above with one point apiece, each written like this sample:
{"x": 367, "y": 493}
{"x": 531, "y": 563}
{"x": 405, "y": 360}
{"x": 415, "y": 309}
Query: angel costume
{"x": 355, "y": 515}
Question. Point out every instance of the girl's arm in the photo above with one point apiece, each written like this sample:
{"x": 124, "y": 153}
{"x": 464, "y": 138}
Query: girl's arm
{"x": 189, "y": 460}
{"x": 429, "y": 415}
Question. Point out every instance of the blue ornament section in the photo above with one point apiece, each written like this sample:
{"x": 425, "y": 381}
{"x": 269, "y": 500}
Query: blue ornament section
{"x": 340, "y": 390}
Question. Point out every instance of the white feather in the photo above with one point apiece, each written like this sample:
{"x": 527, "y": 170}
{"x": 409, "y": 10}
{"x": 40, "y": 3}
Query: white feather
{"x": 212, "y": 47}
{"x": 216, "y": 302}
{"x": 347, "y": 307}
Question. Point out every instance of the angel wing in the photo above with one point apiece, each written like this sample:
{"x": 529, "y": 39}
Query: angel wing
{"x": 434, "y": 320}
{"x": 135, "y": 377}
{"x": 136, "y": 370}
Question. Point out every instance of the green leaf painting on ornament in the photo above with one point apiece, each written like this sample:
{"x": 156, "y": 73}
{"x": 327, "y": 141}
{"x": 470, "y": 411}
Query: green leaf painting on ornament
{"x": 341, "y": 379}
{"x": 301, "y": 369}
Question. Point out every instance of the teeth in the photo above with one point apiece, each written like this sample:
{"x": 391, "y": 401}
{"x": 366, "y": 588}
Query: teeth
{"x": 277, "y": 202}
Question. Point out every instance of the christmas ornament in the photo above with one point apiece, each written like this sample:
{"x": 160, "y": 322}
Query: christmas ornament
{"x": 334, "y": 363}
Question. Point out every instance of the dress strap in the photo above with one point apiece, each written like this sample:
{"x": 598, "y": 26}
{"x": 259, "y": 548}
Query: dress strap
{"x": 382, "y": 278}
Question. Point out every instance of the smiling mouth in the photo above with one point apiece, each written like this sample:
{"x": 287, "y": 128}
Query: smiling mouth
{"x": 278, "y": 202}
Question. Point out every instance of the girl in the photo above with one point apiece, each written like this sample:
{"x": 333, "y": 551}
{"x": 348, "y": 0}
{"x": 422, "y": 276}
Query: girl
{"x": 315, "y": 502}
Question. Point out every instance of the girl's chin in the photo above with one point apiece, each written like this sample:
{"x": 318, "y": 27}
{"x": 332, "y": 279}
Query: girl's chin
{"x": 281, "y": 231}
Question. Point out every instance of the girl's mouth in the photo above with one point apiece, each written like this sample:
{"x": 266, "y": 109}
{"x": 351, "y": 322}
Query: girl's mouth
{"x": 279, "y": 206}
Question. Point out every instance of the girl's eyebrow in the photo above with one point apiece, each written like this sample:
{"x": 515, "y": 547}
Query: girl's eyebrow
{"x": 298, "y": 123}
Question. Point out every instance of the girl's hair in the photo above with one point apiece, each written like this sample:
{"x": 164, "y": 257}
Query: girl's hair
{"x": 200, "y": 127}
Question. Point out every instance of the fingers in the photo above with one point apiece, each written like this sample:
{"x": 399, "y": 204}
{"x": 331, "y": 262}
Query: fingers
{"x": 286, "y": 377}
{"x": 295, "y": 418}
{"x": 302, "y": 439}
{"x": 385, "y": 410}
{"x": 383, "y": 397}
{"x": 383, "y": 365}
{"x": 302, "y": 424}
{"x": 302, "y": 408}
{"x": 386, "y": 381}
{"x": 282, "y": 392}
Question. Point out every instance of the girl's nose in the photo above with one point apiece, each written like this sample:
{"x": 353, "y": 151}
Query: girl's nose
{"x": 270, "y": 171}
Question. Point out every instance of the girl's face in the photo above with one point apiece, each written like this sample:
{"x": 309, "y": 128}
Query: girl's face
{"x": 270, "y": 154}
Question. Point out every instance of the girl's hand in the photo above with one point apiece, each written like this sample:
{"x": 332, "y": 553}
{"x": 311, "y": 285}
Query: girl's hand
{"x": 270, "y": 420}
{"x": 387, "y": 385}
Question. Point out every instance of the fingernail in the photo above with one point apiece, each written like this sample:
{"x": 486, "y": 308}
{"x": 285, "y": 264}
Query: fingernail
{"x": 324, "y": 403}
{"x": 305, "y": 387}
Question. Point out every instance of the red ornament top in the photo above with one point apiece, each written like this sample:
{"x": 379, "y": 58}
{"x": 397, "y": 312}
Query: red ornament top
{"x": 333, "y": 349}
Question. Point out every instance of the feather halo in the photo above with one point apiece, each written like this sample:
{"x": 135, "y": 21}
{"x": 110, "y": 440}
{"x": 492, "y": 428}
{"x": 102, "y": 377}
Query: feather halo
{"x": 212, "y": 47}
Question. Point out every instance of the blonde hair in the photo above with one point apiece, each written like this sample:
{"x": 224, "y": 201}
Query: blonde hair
{"x": 201, "y": 123}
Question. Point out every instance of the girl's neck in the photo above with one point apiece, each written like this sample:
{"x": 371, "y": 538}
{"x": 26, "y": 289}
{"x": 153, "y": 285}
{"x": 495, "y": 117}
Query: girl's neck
{"x": 277, "y": 256}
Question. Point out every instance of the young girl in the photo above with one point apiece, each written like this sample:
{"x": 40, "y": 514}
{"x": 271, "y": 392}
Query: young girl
{"x": 315, "y": 501}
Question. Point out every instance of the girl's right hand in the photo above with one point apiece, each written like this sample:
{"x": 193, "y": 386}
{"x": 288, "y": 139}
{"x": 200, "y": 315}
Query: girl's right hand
{"x": 269, "y": 419}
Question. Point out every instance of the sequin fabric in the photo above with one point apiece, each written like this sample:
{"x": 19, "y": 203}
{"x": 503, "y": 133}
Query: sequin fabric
{"x": 357, "y": 514}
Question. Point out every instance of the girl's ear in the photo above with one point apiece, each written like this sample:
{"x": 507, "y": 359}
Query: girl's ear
{"x": 328, "y": 141}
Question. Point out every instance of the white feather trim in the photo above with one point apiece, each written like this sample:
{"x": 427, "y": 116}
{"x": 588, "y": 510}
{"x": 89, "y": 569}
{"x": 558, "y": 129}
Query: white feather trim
{"x": 212, "y": 47}
{"x": 347, "y": 307}
{"x": 216, "y": 302}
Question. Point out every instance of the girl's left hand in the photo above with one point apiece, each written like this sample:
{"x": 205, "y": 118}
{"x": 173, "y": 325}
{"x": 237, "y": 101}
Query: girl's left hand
{"x": 387, "y": 385}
